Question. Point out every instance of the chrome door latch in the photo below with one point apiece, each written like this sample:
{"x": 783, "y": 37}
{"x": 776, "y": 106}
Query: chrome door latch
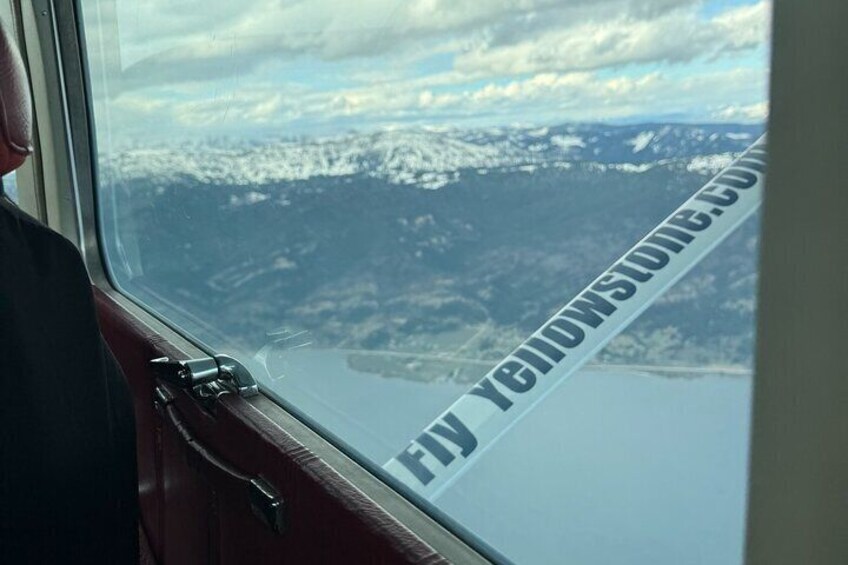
{"x": 208, "y": 375}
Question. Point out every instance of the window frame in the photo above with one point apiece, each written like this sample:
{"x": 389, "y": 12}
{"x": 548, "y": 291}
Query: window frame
{"x": 63, "y": 196}
{"x": 54, "y": 46}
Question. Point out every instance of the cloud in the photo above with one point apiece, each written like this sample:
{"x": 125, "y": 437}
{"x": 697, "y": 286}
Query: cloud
{"x": 745, "y": 27}
{"x": 325, "y": 29}
{"x": 191, "y": 68}
{"x": 676, "y": 36}
{"x": 756, "y": 112}
{"x": 542, "y": 98}
{"x": 162, "y": 41}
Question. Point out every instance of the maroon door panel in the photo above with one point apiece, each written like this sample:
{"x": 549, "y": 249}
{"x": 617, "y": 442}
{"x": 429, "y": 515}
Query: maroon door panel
{"x": 195, "y": 513}
{"x": 172, "y": 501}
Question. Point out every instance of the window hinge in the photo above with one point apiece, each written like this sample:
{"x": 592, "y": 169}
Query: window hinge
{"x": 207, "y": 377}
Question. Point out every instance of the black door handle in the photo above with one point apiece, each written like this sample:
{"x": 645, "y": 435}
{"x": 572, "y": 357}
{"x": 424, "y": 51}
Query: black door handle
{"x": 265, "y": 502}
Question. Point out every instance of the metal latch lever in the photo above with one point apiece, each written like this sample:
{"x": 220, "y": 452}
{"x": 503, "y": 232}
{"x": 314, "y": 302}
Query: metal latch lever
{"x": 192, "y": 373}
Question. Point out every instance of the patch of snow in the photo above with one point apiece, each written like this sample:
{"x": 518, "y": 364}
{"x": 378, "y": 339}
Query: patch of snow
{"x": 284, "y": 264}
{"x": 567, "y": 142}
{"x": 631, "y": 168}
{"x": 434, "y": 181}
{"x": 641, "y": 141}
{"x": 738, "y": 136}
{"x": 251, "y": 197}
{"x": 710, "y": 164}
{"x": 427, "y": 157}
{"x": 254, "y": 197}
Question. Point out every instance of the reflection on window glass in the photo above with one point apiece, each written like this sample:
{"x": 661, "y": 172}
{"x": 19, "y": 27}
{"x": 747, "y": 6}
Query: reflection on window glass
{"x": 372, "y": 203}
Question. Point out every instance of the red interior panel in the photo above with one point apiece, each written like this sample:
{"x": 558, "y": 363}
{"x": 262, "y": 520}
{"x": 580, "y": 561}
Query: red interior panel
{"x": 194, "y": 515}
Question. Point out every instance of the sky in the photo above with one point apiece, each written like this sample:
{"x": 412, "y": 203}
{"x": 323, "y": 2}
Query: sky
{"x": 318, "y": 67}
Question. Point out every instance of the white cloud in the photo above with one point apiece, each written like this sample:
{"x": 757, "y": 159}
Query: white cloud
{"x": 756, "y": 112}
{"x": 546, "y": 97}
{"x": 162, "y": 41}
{"x": 328, "y": 29}
{"x": 218, "y": 66}
{"x": 676, "y": 36}
{"x": 744, "y": 27}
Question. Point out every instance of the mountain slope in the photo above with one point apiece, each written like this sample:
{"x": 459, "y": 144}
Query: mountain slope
{"x": 433, "y": 158}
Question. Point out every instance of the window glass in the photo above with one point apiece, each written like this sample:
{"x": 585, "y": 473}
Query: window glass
{"x": 373, "y": 203}
{"x": 9, "y": 187}
{"x": 6, "y": 15}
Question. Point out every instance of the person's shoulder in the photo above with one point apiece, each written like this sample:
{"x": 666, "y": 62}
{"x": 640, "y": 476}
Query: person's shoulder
{"x": 39, "y": 236}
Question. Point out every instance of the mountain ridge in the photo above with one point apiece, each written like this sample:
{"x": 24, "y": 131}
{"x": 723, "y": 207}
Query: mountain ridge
{"x": 432, "y": 158}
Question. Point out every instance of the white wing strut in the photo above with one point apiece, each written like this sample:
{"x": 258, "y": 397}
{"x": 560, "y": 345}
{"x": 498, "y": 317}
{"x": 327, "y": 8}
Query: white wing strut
{"x": 448, "y": 447}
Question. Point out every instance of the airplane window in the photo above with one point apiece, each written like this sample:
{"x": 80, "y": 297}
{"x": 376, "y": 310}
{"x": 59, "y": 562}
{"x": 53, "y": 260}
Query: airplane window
{"x": 6, "y": 14}
{"x": 372, "y": 204}
{"x": 9, "y": 187}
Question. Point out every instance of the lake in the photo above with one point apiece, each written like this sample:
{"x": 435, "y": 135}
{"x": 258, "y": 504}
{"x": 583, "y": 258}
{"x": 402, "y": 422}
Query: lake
{"x": 614, "y": 467}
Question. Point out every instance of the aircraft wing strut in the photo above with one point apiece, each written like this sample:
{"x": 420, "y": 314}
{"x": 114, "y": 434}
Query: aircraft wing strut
{"x": 454, "y": 442}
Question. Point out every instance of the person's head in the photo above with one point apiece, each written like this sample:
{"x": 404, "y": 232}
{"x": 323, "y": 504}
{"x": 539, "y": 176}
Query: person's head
{"x": 15, "y": 105}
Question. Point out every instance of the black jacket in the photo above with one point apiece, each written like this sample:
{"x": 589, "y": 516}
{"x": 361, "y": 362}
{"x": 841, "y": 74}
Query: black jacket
{"x": 68, "y": 479}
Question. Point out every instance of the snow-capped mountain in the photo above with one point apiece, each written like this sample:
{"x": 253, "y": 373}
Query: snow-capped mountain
{"x": 434, "y": 157}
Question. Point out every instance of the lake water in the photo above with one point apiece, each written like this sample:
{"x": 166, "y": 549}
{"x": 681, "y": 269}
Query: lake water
{"x": 612, "y": 468}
